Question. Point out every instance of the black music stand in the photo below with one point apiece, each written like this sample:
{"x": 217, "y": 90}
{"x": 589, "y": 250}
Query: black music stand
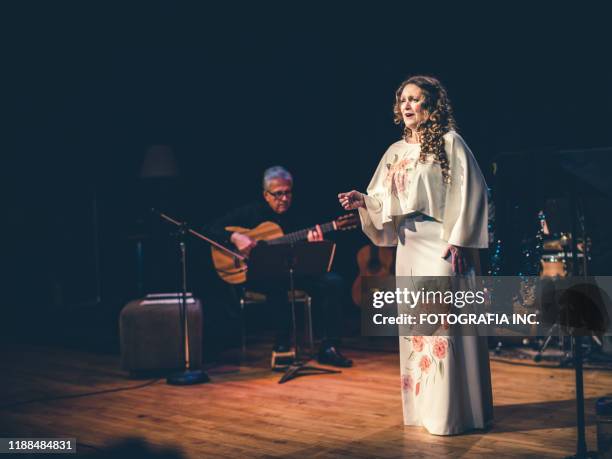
{"x": 582, "y": 182}
{"x": 279, "y": 262}
{"x": 580, "y": 188}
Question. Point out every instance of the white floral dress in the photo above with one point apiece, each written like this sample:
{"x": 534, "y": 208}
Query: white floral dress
{"x": 445, "y": 380}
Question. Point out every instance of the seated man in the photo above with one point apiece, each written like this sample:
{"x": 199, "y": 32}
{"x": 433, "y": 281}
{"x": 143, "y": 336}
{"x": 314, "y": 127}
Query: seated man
{"x": 326, "y": 290}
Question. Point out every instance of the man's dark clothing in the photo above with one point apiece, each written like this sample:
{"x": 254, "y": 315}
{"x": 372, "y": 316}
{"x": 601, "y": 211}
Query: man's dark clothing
{"x": 326, "y": 289}
{"x": 250, "y": 216}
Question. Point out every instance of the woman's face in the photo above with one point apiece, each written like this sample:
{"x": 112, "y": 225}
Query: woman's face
{"x": 410, "y": 102}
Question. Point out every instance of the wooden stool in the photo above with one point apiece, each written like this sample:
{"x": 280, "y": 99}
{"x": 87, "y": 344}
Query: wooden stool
{"x": 281, "y": 360}
{"x": 248, "y": 297}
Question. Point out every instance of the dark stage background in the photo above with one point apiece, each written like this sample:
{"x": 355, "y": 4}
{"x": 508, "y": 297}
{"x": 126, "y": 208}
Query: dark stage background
{"x": 235, "y": 89}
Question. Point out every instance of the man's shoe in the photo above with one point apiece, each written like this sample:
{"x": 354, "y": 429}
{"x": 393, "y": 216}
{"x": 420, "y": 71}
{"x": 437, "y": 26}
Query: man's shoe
{"x": 332, "y": 356}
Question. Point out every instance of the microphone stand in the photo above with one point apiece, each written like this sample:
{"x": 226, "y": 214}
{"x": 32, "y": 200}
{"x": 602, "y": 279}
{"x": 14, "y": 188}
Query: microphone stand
{"x": 187, "y": 376}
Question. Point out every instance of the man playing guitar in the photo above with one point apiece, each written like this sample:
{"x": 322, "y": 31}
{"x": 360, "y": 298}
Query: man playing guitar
{"x": 326, "y": 290}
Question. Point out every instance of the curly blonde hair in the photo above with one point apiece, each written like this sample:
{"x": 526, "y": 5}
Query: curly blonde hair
{"x": 439, "y": 120}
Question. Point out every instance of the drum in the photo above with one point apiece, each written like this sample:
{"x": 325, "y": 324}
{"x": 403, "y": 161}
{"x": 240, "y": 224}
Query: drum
{"x": 553, "y": 265}
{"x": 557, "y": 264}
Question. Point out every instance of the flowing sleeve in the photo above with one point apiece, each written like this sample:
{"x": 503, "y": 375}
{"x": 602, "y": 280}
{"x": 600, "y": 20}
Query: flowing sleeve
{"x": 465, "y": 214}
{"x": 380, "y": 230}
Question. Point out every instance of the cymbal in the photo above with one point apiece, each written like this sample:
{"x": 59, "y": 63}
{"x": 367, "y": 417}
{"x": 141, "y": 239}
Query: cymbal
{"x": 557, "y": 244}
{"x": 563, "y": 243}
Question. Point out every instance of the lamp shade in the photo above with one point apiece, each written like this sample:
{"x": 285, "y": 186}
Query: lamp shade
{"x": 159, "y": 161}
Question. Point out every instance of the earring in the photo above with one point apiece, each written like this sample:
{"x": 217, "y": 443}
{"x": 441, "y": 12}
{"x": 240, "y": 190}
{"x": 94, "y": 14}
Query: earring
{"x": 407, "y": 132}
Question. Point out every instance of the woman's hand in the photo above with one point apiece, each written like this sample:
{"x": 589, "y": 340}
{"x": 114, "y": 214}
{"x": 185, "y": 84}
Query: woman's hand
{"x": 351, "y": 200}
{"x": 315, "y": 234}
{"x": 459, "y": 263}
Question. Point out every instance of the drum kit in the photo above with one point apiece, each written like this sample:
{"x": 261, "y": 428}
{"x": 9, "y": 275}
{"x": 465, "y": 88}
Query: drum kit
{"x": 555, "y": 251}
{"x": 556, "y": 257}
{"x": 556, "y": 261}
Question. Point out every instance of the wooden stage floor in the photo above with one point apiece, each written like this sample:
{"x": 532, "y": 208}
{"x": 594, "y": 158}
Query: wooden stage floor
{"x": 245, "y": 413}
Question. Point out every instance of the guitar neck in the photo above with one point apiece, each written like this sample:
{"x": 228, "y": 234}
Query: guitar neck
{"x": 300, "y": 235}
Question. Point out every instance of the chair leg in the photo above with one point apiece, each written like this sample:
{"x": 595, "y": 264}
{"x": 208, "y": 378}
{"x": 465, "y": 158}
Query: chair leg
{"x": 243, "y": 329}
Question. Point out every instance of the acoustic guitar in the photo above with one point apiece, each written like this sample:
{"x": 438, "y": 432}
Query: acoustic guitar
{"x": 373, "y": 261}
{"x": 234, "y": 271}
